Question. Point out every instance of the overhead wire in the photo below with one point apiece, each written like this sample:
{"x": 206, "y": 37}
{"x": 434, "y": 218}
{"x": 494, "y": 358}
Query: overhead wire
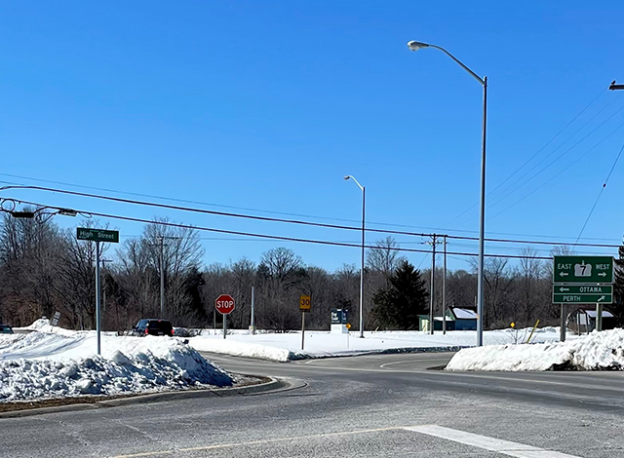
{"x": 604, "y": 185}
{"x": 543, "y": 147}
{"x": 271, "y": 236}
{"x": 290, "y": 221}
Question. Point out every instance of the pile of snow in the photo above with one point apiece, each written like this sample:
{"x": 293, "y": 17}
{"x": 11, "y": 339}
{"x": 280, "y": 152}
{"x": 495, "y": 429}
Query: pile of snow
{"x": 42, "y": 365}
{"x": 248, "y": 350}
{"x": 597, "y": 351}
{"x": 283, "y": 347}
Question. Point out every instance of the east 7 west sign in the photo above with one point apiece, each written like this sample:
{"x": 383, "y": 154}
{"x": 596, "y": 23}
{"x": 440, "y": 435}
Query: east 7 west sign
{"x": 583, "y": 269}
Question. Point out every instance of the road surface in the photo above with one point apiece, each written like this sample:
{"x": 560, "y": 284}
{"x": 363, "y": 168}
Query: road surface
{"x": 369, "y": 406}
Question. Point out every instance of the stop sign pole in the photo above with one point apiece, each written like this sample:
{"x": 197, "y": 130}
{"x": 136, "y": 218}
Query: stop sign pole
{"x": 225, "y": 305}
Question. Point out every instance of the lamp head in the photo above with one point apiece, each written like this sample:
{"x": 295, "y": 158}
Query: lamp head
{"x": 416, "y": 45}
{"x": 347, "y": 177}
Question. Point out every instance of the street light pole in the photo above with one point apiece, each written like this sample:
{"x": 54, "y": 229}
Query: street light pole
{"x": 363, "y": 248}
{"x": 415, "y": 46}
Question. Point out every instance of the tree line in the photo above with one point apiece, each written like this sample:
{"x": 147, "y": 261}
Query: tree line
{"x": 44, "y": 269}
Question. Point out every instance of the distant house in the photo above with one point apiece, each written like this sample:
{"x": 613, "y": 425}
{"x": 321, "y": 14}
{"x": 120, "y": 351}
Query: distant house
{"x": 584, "y": 320}
{"x": 457, "y": 319}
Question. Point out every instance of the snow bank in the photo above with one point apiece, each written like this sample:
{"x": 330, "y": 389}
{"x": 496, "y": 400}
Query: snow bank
{"x": 61, "y": 366}
{"x": 597, "y": 351}
{"x": 234, "y": 348}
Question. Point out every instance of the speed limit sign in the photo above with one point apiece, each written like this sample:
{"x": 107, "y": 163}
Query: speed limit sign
{"x": 305, "y": 303}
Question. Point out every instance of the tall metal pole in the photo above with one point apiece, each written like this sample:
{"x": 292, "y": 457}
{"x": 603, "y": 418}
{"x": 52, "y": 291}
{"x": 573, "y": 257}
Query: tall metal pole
{"x": 432, "y": 292}
{"x": 98, "y": 318}
{"x": 253, "y": 305}
{"x": 482, "y": 223}
{"x": 162, "y": 279}
{"x": 444, "y": 292}
{"x": 562, "y": 325}
{"x": 362, "y": 264}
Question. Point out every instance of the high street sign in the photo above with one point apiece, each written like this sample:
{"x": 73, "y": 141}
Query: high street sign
{"x": 582, "y": 298}
{"x": 97, "y": 235}
{"x": 583, "y": 269}
{"x": 575, "y": 289}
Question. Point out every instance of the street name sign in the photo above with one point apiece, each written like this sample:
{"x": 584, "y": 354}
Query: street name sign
{"x": 583, "y": 269}
{"x": 225, "y": 304}
{"x": 305, "y": 303}
{"x": 97, "y": 235}
{"x": 582, "y": 298}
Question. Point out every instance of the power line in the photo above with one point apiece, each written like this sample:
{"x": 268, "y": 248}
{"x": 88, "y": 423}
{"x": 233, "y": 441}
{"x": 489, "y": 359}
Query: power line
{"x": 543, "y": 147}
{"x": 604, "y": 185}
{"x": 289, "y": 221}
{"x": 275, "y": 237}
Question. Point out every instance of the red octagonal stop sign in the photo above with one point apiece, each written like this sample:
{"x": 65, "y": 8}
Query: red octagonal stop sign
{"x": 224, "y": 304}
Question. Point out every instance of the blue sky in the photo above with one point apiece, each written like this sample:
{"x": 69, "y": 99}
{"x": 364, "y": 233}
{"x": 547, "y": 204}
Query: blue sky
{"x": 265, "y": 106}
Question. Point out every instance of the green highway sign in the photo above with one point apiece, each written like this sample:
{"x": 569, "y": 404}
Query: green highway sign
{"x": 582, "y": 298}
{"x": 575, "y": 289}
{"x": 583, "y": 269}
{"x": 97, "y": 235}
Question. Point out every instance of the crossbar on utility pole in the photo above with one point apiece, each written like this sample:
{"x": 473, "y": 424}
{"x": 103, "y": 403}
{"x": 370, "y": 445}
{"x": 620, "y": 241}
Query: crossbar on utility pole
{"x": 616, "y": 87}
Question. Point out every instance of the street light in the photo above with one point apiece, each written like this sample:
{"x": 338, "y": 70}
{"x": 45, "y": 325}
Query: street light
{"x": 363, "y": 241}
{"x": 415, "y": 46}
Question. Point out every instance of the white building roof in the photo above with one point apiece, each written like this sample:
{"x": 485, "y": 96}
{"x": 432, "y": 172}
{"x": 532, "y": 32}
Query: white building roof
{"x": 605, "y": 314}
{"x": 464, "y": 314}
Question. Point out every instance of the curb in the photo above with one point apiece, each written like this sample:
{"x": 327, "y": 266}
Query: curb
{"x": 270, "y": 384}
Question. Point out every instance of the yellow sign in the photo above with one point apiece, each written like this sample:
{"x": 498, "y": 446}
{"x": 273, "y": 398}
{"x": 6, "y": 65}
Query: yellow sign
{"x": 348, "y": 325}
{"x": 305, "y": 303}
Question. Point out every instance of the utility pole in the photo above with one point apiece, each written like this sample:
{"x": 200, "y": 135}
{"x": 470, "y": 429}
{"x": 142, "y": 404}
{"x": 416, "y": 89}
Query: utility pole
{"x": 444, "y": 292}
{"x": 98, "y": 311}
{"x": 432, "y": 289}
{"x": 253, "y": 315}
{"x": 162, "y": 278}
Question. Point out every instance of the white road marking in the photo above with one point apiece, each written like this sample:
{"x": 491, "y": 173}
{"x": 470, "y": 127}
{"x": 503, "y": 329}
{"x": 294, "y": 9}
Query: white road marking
{"x": 508, "y": 448}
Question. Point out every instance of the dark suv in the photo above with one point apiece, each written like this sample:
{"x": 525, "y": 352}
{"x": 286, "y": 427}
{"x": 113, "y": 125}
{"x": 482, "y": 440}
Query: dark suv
{"x": 153, "y": 328}
{"x": 5, "y": 329}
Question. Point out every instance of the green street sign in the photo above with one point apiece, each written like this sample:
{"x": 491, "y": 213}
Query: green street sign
{"x": 576, "y": 289}
{"x": 583, "y": 269}
{"x": 582, "y": 298}
{"x": 97, "y": 235}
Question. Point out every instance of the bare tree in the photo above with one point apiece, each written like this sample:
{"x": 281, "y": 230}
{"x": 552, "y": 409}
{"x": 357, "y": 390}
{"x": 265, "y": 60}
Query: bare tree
{"x": 384, "y": 258}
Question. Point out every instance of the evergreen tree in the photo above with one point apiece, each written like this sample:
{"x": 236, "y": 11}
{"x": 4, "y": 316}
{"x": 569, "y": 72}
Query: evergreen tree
{"x": 618, "y": 288}
{"x": 399, "y": 305}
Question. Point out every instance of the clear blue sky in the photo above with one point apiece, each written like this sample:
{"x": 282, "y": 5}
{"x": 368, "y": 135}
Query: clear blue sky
{"x": 265, "y": 105}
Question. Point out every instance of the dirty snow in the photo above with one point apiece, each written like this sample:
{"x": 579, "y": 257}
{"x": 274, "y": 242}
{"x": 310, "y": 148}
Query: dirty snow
{"x": 43, "y": 365}
{"x": 596, "y": 351}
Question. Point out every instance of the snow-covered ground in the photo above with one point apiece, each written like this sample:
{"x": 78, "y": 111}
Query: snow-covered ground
{"x": 287, "y": 346}
{"x": 52, "y": 362}
{"x": 596, "y": 351}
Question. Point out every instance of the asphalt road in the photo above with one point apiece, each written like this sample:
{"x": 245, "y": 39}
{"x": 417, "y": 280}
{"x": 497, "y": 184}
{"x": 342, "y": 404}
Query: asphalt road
{"x": 369, "y": 406}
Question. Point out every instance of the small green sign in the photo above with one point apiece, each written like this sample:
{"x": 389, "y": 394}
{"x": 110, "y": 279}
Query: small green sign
{"x": 582, "y": 298}
{"x": 97, "y": 235}
{"x": 583, "y": 269}
{"x": 575, "y": 289}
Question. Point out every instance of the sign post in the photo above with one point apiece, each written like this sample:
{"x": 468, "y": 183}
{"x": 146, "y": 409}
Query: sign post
{"x": 582, "y": 280}
{"x": 305, "y": 304}
{"x": 225, "y": 305}
{"x": 97, "y": 236}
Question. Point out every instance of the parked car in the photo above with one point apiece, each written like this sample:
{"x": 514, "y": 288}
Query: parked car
{"x": 152, "y": 327}
{"x": 5, "y": 329}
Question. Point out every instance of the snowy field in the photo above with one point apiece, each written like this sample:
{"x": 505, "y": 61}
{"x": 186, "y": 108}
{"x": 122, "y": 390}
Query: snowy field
{"x": 52, "y": 362}
{"x": 287, "y": 346}
{"x": 596, "y": 351}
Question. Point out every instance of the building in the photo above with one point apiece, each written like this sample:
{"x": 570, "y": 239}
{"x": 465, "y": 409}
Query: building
{"x": 583, "y": 321}
{"x": 457, "y": 319}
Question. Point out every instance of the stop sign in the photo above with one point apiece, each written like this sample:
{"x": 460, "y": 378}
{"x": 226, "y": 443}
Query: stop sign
{"x": 224, "y": 304}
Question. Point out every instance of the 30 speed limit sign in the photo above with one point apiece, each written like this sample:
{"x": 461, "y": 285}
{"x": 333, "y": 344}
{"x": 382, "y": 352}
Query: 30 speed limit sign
{"x": 305, "y": 303}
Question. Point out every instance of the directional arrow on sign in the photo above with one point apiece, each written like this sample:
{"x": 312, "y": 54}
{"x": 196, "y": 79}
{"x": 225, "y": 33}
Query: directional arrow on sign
{"x": 564, "y": 274}
{"x": 563, "y": 290}
{"x": 602, "y": 274}
{"x": 600, "y": 299}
